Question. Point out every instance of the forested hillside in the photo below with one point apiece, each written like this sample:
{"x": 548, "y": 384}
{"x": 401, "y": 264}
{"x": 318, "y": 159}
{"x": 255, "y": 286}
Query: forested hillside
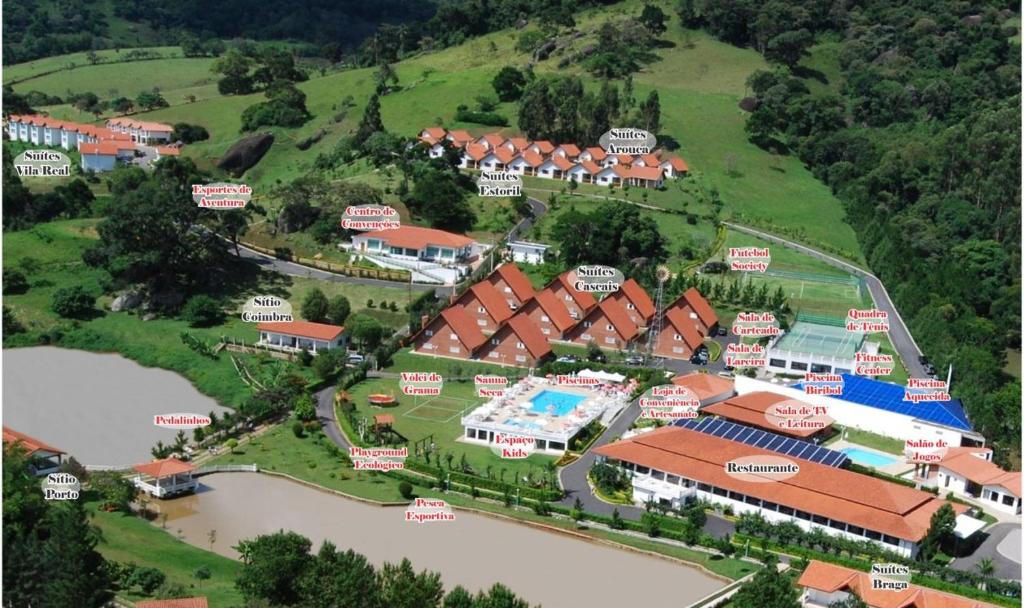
{"x": 921, "y": 141}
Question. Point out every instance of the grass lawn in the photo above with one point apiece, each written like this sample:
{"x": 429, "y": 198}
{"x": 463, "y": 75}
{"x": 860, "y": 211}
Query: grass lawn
{"x": 873, "y": 440}
{"x": 37, "y": 67}
{"x": 420, "y": 417}
{"x": 699, "y": 80}
{"x": 128, "y": 538}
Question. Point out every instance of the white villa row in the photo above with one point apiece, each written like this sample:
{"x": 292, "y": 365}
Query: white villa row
{"x": 493, "y": 152}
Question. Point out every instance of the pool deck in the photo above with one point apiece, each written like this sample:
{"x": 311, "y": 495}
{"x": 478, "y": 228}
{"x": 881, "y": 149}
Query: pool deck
{"x": 899, "y": 468}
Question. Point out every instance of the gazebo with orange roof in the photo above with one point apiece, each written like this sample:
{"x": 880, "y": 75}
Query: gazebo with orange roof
{"x": 165, "y": 478}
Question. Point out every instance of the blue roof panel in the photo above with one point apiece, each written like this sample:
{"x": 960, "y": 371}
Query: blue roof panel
{"x": 889, "y": 397}
{"x": 765, "y": 440}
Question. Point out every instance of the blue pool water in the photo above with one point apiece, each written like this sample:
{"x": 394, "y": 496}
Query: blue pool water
{"x": 867, "y": 458}
{"x": 562, "y": 402}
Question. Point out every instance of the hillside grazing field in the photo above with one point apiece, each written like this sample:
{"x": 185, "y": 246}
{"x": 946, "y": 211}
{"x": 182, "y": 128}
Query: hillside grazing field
{"x": 43, "y": 65}
{"x": 699, "y": 80}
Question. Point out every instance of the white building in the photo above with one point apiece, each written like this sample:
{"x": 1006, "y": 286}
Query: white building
{"x": 165, "y": 478}
{"x": 142, "y": 131}
{"x": 527, "y": 252}
{"x": 822, "y": 585}
{"x": 970, "y": 473}
{"x": 43, "y": 459}
{"x": 415, "y": 243}
{"x": 294, "y": 336}
{"x": 674, "y": 465}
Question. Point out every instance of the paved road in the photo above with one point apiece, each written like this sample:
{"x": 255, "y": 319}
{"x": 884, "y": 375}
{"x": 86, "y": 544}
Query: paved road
{"x": 1002, "y": 540}
{"x": 574, "y": 479}
{"x": 325, "y": 414}
{"x": 900, "y": 336}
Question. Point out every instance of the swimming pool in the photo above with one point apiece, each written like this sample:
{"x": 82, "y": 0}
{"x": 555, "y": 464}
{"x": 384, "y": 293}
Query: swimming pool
{"x": 555, "y": 402}
{"x": 866, "y": 458}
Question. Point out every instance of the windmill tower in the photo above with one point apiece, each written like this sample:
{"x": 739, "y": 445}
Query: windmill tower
{"x": 663, "y": 275}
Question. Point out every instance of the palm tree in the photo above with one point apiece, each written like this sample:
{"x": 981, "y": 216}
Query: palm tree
{"x": 986, "y": 567}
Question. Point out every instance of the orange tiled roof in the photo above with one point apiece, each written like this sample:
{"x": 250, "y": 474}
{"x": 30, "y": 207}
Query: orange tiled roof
{"x": 597, "y": 153}
{"x": 583, "y": 299}
{"x": 164, "y": 468}
{"x": 545, "y": 146}
{"x": 30, "y": 444}
{"x": 964, "y": 463}
{"x": 617, "y": 316}
{"x": 529, "y": 334}
{"x": 101, "y": 148}
{"x": 705, "y": 386}
{"x": 651, "y": 160}
{"x": 503, "y": 154}
{"x": 678, "y": 164}
{"x": 493, "y": 139}
{"x": 140, "y": 124}
{"x": 571, "y": 150}
{"x": 648, "y": 173}
{"x": 516, "y": 280}
{"x": 699, "y": 305}
{"x": 590, "y": 166}
{"x": 685, "y": 327}
{"x": 532, "y": 158}
{"x": 830, "y": 578}
{"x": 168, "y": 151}
{"x": 751, "y": 409}
{"x": 464, "y": 327}
{"x": 838, "y": 494}
{"x": 518, "y": 143}
{"x": 624, "y": 159}
{"x": 434, "y": 133}
{"x": 554, "y": 309}
{"x": 638, "y": 297}
{"x": 417, "y": 237}
{"x": 303, "y": 329}
{"x": 490, "y": 299}
{"x": 476, "y": 151}
{"x": 461, "y": 136}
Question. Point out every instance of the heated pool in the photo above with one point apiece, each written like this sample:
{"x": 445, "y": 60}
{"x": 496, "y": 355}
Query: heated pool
{"x": 870, "y": 459}
{"x": 554, "y": 402}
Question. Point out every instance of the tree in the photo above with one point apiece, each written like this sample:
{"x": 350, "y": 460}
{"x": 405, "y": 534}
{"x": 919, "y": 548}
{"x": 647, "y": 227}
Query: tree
{"x": 340, "y": 580}
{"x": 151, "y": 100}
{"x": 305, "y": 408}
{"x": 650, "y": 113}
{"x": 438, "y": 199}
{"x": 202, "y": 311}
{"x": 402, "y": 587}
{"x": 116, "y": 493}
{"x": 14, "y": 282}
{"x": 315, "y": 306}
{"x": 789, "y": 47}
{"x": 509, "y": 83}
{"x": 327, "y": 362}
{"x": 147, "y": 579}
{"x": 202, "y": 573}
{"x": 234, "y": 66}
{"x": 274, "y": 567}
{"x": 338, "y": 310}
{"x": 768, "y": 589}
{"x": 940, "y": 530}
{"x": 77, "y": 575}
{"x": 72, "y": 302}
{"x": 653, "y": 18}
{"x": 405, "y": 489}
{"x": 371, "y": 121}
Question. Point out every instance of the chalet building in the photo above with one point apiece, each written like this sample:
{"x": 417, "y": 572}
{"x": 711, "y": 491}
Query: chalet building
{"x": 606, "y": 325}
{"x": 180, "y": 602}
{"x": 497, "y": 159}
{"x": 433, "y": 135}
{"x": 635, "y": 300}
{"x": 619, "y": 159}
{"x": 527, "y": 252}
{"x": 595, "y": 155}
{"x": 678, "y": 338}
{"x": 459, "y": 138}
{"x": 675, "y": 167}
{"x": 647, "y": 160}
{"x": 612, "y": 175}
{"x": 516, "y": 144}
{"x": 485, "y": 305}
{"x": 43, "y": 459}
{"x": 526, "y": 163}
{"x": 517, "y": 342}
{"x": 555, "y": 167}
{"x": 542, "y": 147}
{"x": 646, "y": 177}
{"x": 472, "y": 155}
{"x": 578, "y": 303}
{"x": 415, "y": 243}
{"x": 549, "y": 314}
{"x": 569, "y": 151}
{"x": 490, "y": 141}
{"x": 452, "y": 333}
{"x": 693, "y": 305}
{"x": 583, "y": 172}
{"x": 141, "y": 131}
{"x": 103, "y": 155}
{"x": 513, "y": 286}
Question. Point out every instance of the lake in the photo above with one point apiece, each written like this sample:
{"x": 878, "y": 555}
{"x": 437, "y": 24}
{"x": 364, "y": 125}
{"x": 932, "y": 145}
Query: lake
{"x": 474, "y": 551}
{"x": 97, "y": 407}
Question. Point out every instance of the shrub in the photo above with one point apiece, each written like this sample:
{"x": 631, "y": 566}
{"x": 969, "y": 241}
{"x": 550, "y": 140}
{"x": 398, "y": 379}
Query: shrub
{"x": 405, "y": 489}
{"x": 202, "y": 311}
{"x": 186, "y": 133}
{"x": 15, "y": 282}
{"x": 297, "y": 429}
{"x": 147, "y": 579}
{"x": 72, "y": 302}
{"x": 305, "y": 357}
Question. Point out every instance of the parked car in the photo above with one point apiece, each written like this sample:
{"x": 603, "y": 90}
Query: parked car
{"x": 922, "y": 360}
{"x": 568, "y": 359}
{"x": 722, "y": 331}
{"x": 635, "y": 360}
{"x": 727, "y": 374}
{"x": 929, "y": 369}
{"x": 729, "y": 368}
{"x": 356, "y": 359}
{"x": 598, "y": 358}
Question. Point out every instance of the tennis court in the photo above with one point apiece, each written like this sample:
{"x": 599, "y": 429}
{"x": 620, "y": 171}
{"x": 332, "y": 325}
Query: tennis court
{"x": 821, "y": 340}
{"x": 441, "y": 408}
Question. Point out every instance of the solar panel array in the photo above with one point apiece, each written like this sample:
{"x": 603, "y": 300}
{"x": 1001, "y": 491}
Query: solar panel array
{"x": 757, "y": 438}
{"x": 890, "y": 397}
